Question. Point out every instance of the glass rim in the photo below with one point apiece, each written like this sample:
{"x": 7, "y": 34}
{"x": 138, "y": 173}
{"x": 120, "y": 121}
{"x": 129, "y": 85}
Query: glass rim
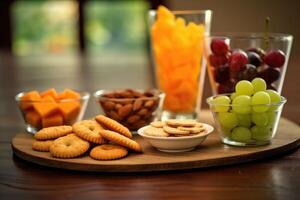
{"x": 251, "y": 35}
{"x": 98, "y": 94}
{"x": 209, "y": 101}
{"x": 183, "y": 12}
{"x": 83, "y": 96}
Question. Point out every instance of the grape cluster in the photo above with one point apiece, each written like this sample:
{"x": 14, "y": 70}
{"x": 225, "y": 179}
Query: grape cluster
{"x": 248, "y": 115}
{"x": 230, "y": 66}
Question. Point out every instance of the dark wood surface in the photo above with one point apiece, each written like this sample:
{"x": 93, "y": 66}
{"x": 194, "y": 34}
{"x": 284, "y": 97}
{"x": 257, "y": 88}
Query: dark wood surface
{"x": 276, "y": 178}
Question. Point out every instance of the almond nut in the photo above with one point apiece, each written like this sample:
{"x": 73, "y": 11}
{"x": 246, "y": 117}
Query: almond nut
{"x": 143, "y": 112}
{"x": 118, "y": 106}
{"x": 148, "y": 115}
{"x": 114, "y": 115}
{"x": 108, "y": 105}
{"x": 126, "y": 94}
{"x": 125, "y": 110}
{"x": 154, "y": 106}
{"x": 125, "y": 101}
{"x": 137, "y": 104}
{"x": 133, "y": 118}
{"x": 148, "y": 94}
{"x": 149, "y": 103}
{"x": 109, "y": 95}
{"x": 138, "y": 124}
{"x": 137, "y": 94}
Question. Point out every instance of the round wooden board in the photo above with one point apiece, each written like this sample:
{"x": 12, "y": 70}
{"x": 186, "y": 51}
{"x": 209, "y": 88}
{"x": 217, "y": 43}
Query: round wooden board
{"x": 210, "y": 153}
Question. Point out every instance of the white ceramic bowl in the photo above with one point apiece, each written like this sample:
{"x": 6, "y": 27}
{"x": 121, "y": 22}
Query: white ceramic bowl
{"x": 176, "y": 144}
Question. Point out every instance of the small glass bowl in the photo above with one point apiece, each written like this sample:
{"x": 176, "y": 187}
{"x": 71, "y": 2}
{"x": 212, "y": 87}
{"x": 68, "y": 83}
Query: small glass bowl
{"x": 132, "y": 112}
{"x": 247, "y": 129}
{"x": 65, "y": 111}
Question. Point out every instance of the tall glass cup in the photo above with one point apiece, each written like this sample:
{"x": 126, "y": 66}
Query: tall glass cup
{"x": 247, "y": 56}
{"x": 177, "y": 41}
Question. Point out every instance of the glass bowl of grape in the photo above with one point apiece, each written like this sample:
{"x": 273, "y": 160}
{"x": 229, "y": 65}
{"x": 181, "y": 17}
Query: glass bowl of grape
{"x": 232, "y": 57}
{"x": 249, "y": 116}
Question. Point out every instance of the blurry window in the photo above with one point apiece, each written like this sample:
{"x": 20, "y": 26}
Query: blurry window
{"x": 45, "y": 27}
{"x": 116, "y": 27}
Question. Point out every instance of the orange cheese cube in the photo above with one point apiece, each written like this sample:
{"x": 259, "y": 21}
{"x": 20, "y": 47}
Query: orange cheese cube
{"x": 69, "y": 94}
{"x": 33, "y": 118}
{"x": 26, "y": 100}
{"x": 69, "y": 110}
{"x": 46, "y": 106}
{"x": 52, "y": 120}
{"x": 50, "y": 92}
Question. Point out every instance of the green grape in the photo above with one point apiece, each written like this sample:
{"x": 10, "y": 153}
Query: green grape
{"x": 261, "y": 133}
{"x": 233, "y": 96}
{"x": 228, "y": 120}
{"x": 271, "y": 118}
{"x": 259, "y": 99}
{"x": 275, "y": 98}
{"x": 242, "y": 104}
{"x": 259, "y": 84}
{"x": 244, "y": 88}
{"x": 226, "y": 131}
{"x": 221, "y": 103}
{"x": 241, "y": 134}
{"x": 260, "y": 119}
{"x": 244, "y": 120}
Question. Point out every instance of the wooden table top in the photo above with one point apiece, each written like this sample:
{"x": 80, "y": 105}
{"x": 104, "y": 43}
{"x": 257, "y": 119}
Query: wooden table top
{"x": 276, "y": 178}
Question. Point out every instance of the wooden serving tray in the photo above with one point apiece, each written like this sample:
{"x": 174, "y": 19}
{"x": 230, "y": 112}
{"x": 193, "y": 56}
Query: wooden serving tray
{"x": 210, "y": 153}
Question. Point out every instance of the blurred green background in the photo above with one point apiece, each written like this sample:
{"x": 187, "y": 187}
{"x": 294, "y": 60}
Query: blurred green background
{"x": 50, "y": 27}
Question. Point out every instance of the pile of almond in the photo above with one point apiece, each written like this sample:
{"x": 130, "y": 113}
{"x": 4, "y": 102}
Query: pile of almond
{"x": 131, "y": 108}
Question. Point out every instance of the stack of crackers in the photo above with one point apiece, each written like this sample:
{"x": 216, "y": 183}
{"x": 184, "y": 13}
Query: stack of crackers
{"x": 107, "y": 139}
{"x": 174, "y": 128}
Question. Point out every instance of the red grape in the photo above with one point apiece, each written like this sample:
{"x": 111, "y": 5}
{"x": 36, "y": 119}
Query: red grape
{"x": 234, "y": 75}
{"x": 238, "y": 60}
{"x": 275, "y": 59}
{"x": 270, "y": 74}
{"x": 254, "y": 58}
{"x": 222, "y": 74}
{"x": 249, "y": 73}
{"x": 258, "y": 51}
{"x": 219, "y": 47}
{"x": 227, "y": 87}
{"x": 216, "y": 61}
